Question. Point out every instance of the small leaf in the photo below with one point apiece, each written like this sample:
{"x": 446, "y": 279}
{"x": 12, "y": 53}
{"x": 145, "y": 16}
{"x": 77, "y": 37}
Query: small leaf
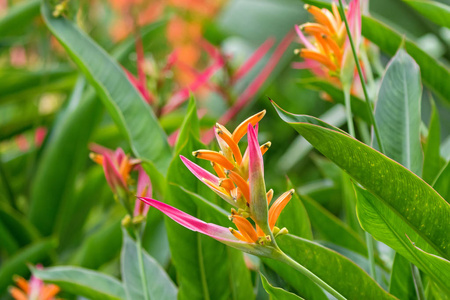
{"x": 83, "y": 282}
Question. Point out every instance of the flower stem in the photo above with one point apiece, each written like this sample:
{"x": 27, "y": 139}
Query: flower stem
{"x": 141, "y": 263}
{"x": 370, "y": 253}
{"x": 283, "y": 257}
{"x": 348, "y": 112}
{"x": 361, "y": 77}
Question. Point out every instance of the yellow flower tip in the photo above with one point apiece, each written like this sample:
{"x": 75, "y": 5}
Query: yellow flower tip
{"x": 269, "y": 196}
{"x": 292, "y": 192}
{"x": 126, "y": 221}
{"x": 215, "y": 157}
{"x": 195, "y": 153}
{"x": 237, "y": 234}
{"x": 306, "y": 6}
{"x": 97, "y": 158}
{"x": 226, "y": 183}
{"x": 241, "y": 130}
{"x": 281, "y": 232}
{"x": 296, "y": 51}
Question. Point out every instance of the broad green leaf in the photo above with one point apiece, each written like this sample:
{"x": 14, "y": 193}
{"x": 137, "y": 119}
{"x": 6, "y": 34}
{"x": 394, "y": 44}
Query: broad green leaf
{"x": 436, "y": 12}
{"x": 82, "y": 282}
{"x": 402, "y": 282}
{"x": 19, "y": 16}
{"x": 206, "y": 269}
{"x": 432, "y": 156}
{"x": 124, "y": 103}
{"x": 390, "y": 182}
{"x": 336, "y": 270}
{"x": 332, "y": 228}
{"x": 433, "y": 72}
{"x": 442, "y": 182}
{"x": 277, "y": 293}
{"x": 397, "y": 112}
{"x": 62, "y": 159}
{"x": 156, "y": 281}
{"x": 388, "y": 227}
{"x": 17, "y": 264}
{"x": 359, "y": 108}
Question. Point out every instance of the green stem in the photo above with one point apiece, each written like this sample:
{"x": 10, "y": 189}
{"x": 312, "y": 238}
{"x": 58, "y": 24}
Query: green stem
{"x": 417, "y": 283}
{"x": 361, "y": 77}
{"x": 283, "y": 257}
{"x": 141, "y": 263}
{"x": 370, "y": 253}
{"x": 348, "y": 112}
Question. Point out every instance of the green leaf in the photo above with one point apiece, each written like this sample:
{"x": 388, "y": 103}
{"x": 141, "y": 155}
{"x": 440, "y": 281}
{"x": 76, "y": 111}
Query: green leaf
{"x": 388, "y": 227}
{"x": 18, "y": 225}
{"x": 390, "y": 182}
{"x": 437, "y": 12}
{"x": 402, "y": 282}
{"x": 17, "y": 264}
{"x": 432, "y": 156}
{"x": 388, "y": 40}
{"x": 82, "y": 282}
{"x": 277, "y": 293}
{"x": 62, "y": 159}
{"x": 442, "y": 182}
{"x": 332, "y": 228}
{"x": 157, "y": 282}
{"x": 18, "y": 17}
{"x": 359, "y": 108}
{"x": 336, "y": 270}
{"x": 206, "y": 268}
{"x": 124, "y": 103}
{"x": 397, "y": 112}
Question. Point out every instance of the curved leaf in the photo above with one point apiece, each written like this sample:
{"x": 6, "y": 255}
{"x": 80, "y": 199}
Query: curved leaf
{"x": 442, "y": 182}
{"x": 402, "y": 282}
{"x": 437, "y": 12}
{"x": 390, "y": 182}
{"x": 277, "y": 293}
{"x": 83, "y": 282}
{"x": 332, "y": 268}
{"x": 385, "y": 225}
{"x": 397, "y": 112}
{"x": 127, "y": 107}
{"x": 158, "y": 283}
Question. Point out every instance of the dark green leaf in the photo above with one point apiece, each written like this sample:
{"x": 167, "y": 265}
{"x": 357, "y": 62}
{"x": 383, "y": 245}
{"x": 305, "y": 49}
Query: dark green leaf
{"x": 83, "y": 282}
{"x": 402, "y": 282}
{"x": 157, "y": 282}
{"x": 19, "y": 16}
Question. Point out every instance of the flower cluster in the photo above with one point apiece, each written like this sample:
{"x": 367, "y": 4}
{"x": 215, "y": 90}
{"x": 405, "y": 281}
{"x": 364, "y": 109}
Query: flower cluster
{"x": 328, "y": 51}
{"x": 117, "y": 167}
{"x": 239, "y": 180}
{"x": 33, "y": 289}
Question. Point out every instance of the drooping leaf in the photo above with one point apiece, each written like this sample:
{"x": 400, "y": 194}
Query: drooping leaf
{"x": 82, "y": 282}
{"x": 156, "y": 281}
{"x": 387, "y": 226}
{"x": 397, "y": 112}
{"x": 436, "y": 12}
{"x": 390, "y": 182}
{"x": 124, "y": 103}
{"x": 277, "y": 293}
{"x": 388, "y": 40}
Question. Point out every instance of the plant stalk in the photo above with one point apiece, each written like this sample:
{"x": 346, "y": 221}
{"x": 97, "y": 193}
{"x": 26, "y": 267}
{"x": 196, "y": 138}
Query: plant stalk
{"x": 348, "y": 112}
{"x": 361, "y": 77}
{"x": 141, "y": 263}
{"x": 283, "y": 257}
{"x": 417, "y": 282}
{"x": 370, "y": 253}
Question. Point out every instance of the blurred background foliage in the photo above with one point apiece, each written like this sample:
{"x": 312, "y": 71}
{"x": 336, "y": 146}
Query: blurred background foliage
{"x": 55, "y": 205}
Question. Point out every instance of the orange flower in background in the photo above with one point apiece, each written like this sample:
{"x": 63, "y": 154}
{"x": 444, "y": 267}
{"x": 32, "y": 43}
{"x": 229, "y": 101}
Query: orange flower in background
{"x": 33, "y": 289}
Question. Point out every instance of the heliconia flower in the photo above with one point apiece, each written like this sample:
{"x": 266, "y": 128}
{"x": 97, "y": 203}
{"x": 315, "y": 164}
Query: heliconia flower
{"x": 240, "y": 182}
{"x": 116, "y": 165}
{"x": 331, "y": 48}
{"x": 33, "y": 289}
{"x": 221, "y": 234}
{"x": 144, "y": 189}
